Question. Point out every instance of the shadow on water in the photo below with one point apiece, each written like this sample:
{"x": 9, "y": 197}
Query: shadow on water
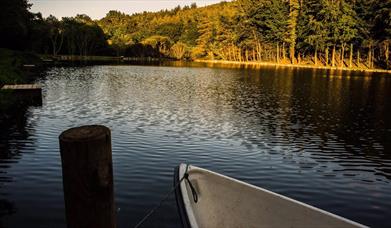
{"x": 333, "y": 116}
{"x": 13, "y": 122}
{"x": 343, "y": 116}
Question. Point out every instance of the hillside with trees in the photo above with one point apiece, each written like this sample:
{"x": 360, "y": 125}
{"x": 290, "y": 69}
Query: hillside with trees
{"x": 335, "y": 33}
{"x": 339, "y": 33}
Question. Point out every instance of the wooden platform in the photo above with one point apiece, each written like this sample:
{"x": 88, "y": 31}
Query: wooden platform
{"x": 30, "y": 93}
{"x": 23, "y": 87}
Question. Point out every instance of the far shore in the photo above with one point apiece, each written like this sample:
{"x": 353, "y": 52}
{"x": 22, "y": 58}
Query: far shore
{"x": 251, "y": 63}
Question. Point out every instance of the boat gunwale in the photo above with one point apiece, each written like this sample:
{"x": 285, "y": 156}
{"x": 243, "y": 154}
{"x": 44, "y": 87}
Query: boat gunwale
{"x": 179, "y": 199}
{"x": 185, "y": 200}
{"x": 190, "y": 213}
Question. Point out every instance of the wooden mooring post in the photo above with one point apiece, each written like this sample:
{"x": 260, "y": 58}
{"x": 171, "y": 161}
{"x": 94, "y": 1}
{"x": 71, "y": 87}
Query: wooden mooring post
{"x": 87, "y": 172}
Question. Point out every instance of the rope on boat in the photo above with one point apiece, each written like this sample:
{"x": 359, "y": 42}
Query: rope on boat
{"x": 194, "y": 193}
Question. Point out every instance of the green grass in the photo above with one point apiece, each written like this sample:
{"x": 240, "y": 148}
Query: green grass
{"x": 11, "y": 66}
{"x": 12, "y": 72}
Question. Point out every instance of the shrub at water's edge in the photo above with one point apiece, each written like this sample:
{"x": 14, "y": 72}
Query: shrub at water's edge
{"x": 12, "y": 64}
{"x": 12, "y": 71}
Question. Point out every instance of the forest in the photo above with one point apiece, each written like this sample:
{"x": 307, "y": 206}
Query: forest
{"x": 335, "y": 33}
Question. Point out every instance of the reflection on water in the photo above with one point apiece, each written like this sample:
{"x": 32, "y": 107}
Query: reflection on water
{"x": 322, "y": 137}
{"x": 14, "y": 129}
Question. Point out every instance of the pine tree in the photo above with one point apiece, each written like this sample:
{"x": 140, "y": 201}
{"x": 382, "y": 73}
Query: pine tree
{"x": 292, "y": 25}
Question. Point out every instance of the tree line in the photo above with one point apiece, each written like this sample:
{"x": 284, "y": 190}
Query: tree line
{"x": 22, "y": 30}
{"x": 338, "y": 33}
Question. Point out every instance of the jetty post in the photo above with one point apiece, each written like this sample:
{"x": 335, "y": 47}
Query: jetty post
{"x": 87, "y": 172}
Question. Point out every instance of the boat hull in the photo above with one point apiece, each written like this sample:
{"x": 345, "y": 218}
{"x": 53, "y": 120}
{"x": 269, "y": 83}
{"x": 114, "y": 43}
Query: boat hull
{"x": 227, "y": 202}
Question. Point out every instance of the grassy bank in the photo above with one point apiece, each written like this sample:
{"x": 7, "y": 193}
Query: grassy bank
{"x": 255, "y": 64}
{"x": 12, "y": 70}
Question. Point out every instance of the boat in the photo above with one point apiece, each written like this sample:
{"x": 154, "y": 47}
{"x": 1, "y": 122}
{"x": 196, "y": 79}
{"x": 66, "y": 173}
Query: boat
{"x": 208, "y": 199}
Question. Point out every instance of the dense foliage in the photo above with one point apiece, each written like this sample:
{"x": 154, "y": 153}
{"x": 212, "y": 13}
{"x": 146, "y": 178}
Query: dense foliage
{"x": 340, "y": 33}
{"x": 23, "y": 30}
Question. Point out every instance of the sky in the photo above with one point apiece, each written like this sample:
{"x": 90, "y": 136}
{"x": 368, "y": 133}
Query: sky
{"x": 97, "y": 9}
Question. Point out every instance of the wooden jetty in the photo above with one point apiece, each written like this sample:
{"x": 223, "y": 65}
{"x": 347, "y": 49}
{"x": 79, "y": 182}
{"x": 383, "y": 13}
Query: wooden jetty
{"x": 31, "y": 92}
{"x": 24, "y": 88}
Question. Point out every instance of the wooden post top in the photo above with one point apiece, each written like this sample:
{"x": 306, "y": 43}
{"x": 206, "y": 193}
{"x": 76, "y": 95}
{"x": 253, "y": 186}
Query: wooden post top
{"x": 85, "y": 133}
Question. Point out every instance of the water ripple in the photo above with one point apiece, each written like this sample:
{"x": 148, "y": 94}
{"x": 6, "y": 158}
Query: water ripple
{"x": 321, "y": 140}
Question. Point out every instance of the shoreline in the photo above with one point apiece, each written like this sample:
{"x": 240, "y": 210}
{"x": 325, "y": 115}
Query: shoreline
{"x": 76, "y": 58}
{"x": 69, "y": 58}
{"x": 226, "y": 62}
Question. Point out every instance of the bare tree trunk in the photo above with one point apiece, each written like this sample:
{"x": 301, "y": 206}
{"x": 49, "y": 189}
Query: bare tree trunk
{"x": 342, "y": 55}
{"x": 55, "y": 43}
{"x": 373, "y": 59}
{"x": 254, "y": 57}
{"x": 237, "y": 54}
{"x": 333, "y": 57}
{"x": 358, "y": 57}
{"x": 234, "y": 53}
{"x": 298, "y": 58}
{"x": 283, "y": 51}
{"x": 316, "y": 56}
{"x": 327, "y": 56}
{"x": 54, "y": 46}
{"x": 369, "y": 56}
{"x": 387, "y": 54}
{"x": 292, "y": 24}
{"x": 278, "y": 53}
{"x": 259, "y": 52}
{"x": 351, "y": 56}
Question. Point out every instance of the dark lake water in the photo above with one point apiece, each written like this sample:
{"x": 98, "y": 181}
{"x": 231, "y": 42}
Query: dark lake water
{"x": 321, "y": 137}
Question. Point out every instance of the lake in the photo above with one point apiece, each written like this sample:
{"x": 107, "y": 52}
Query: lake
{"x": 319, "y": 136}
